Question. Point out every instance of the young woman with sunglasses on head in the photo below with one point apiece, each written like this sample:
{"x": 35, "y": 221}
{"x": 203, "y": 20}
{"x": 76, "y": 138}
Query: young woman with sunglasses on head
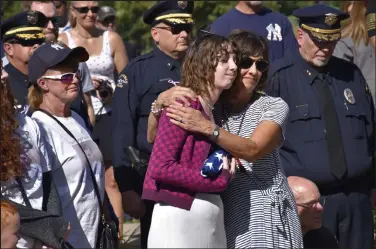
{"x": 259, "y": 208}
{"x": 188, "y": 213}
{"x": 76, "y": 159}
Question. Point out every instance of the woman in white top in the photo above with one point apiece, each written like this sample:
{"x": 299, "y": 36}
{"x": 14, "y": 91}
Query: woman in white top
{"x": 55, "y": 86}
{"x": 107, "y": 56}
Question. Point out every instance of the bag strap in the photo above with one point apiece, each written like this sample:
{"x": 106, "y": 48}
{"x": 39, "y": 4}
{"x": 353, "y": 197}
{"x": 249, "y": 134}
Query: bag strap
{"x": 96, "y": 189}
{"x": 23, "y": 192}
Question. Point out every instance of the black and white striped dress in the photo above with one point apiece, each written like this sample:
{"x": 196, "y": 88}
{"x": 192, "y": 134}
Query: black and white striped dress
{"x": 259, "y": 207}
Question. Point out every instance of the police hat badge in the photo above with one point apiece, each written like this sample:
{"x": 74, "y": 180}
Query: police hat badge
{"x": 32, "y": 17}
{"x": 349, "y": 96}
{"x": 330, "y": 19}
{"x": 182, "y": 4}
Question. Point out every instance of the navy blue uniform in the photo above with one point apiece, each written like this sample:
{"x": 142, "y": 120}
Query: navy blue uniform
{"x": 305, "y": 152}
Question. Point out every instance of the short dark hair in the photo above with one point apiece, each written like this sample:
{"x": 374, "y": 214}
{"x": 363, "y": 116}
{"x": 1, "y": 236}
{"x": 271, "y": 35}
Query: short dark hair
{"x": 250, "y": 44}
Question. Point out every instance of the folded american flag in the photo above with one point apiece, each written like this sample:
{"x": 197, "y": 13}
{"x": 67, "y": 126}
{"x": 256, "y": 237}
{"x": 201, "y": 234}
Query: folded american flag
{"x": 214, "y": 164}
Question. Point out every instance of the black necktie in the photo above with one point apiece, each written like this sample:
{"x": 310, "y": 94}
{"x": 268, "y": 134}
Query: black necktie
{"x": 337, "y": 163}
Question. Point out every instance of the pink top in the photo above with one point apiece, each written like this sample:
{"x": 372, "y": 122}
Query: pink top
{"x": 173, "y": 175}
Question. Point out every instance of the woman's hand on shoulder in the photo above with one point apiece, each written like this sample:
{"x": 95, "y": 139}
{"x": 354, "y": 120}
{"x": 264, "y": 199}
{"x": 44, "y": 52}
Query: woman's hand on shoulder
{"x": 170, "y": 96}
{"x": 189, "y": 119}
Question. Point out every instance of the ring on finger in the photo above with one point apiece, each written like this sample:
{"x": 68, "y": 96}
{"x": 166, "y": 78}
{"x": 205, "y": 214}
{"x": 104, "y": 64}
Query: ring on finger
{"x": 181, "y": 119}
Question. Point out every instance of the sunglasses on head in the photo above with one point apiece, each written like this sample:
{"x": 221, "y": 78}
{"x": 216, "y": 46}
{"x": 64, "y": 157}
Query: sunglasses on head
{"x": 178, "y": 28}
{"x": 84, "y": 10}
{"x": 246, "y": 63}
{"x": 66, "y": 78}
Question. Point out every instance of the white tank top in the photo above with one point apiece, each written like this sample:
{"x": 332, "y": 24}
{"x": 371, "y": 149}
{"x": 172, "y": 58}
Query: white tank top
{"x": 101, "y": 66}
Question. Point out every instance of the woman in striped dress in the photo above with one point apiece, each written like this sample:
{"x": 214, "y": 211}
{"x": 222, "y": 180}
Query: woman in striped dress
{"x": 260, "y": 210}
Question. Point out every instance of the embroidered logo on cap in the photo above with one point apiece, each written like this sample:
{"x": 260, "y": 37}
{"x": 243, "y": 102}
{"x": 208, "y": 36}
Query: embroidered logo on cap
{"x": 57, "y": 46}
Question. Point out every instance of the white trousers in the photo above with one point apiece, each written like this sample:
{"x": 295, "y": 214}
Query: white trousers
{"x": 200, "y": 227}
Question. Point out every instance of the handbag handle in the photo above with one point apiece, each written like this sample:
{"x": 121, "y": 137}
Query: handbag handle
{"x": 96, "y": 188}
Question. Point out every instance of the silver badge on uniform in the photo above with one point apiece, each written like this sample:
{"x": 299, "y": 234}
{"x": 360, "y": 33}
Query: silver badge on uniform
{"x": 349, "y": 96}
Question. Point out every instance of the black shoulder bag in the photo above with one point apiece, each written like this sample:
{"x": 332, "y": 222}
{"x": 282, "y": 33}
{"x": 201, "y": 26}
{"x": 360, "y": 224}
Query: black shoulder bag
{"x": 108, "y": 231}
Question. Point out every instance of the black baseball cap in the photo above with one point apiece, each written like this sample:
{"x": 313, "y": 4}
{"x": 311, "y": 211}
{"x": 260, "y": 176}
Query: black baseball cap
{"x": 51, "y": 54}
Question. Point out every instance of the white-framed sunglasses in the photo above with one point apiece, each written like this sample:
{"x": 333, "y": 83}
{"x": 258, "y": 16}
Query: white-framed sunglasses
{"x": 66, "y": 78}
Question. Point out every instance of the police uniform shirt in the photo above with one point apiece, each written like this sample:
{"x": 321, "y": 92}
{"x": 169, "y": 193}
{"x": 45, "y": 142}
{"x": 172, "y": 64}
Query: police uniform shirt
{"x": 305, "y": 151}
{"x": 137, "y": 87}
{"x": 19, "y": 84}
{"x": 273, "y": 26}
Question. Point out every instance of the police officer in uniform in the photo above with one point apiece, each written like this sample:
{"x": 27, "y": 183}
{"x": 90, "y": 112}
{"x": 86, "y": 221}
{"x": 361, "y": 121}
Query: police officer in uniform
{"x": 329, "y": 135}
{"x": 137, "y": 88}
{"x": 21, "y": 34}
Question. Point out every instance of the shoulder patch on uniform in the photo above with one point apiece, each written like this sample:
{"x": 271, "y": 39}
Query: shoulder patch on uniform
{"x": 122, "y": 81}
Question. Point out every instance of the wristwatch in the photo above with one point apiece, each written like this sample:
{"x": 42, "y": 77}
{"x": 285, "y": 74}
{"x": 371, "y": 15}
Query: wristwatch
{"x": 215, "y": 134}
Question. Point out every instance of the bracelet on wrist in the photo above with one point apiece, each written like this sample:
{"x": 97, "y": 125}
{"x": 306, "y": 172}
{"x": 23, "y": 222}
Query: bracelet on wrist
{"x": 156, "y": 111}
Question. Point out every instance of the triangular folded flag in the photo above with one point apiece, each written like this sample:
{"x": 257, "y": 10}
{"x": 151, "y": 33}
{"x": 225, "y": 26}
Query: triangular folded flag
{"x": 214, "y": 164}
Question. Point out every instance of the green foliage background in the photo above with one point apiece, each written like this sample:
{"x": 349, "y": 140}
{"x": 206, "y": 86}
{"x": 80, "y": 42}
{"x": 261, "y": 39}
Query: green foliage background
{"x": 132, "y": 28}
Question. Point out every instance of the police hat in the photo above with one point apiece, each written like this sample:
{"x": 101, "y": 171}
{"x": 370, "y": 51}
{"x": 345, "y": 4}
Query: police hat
{"x": 51, "y": 54}
{"x": 171, "y": 12}
{"x": 26, "y": 26}
{"x": 322, "y": 22}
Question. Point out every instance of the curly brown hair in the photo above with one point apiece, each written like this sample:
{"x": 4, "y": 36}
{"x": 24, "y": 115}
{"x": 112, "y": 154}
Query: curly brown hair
{"x": 201, "y": 61}
{"x": 10, "y": 146}
{"x": 250, "y": 44}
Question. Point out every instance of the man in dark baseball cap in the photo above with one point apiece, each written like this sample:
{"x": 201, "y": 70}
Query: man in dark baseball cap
{"x": 107, "y": 18}
{"x": 52, "y": 54}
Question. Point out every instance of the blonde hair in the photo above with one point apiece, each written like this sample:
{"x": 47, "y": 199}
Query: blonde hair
{"x": 35, "y": 97}
{"x": 7, "y": 209}
{"x": 355, "y": 26}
